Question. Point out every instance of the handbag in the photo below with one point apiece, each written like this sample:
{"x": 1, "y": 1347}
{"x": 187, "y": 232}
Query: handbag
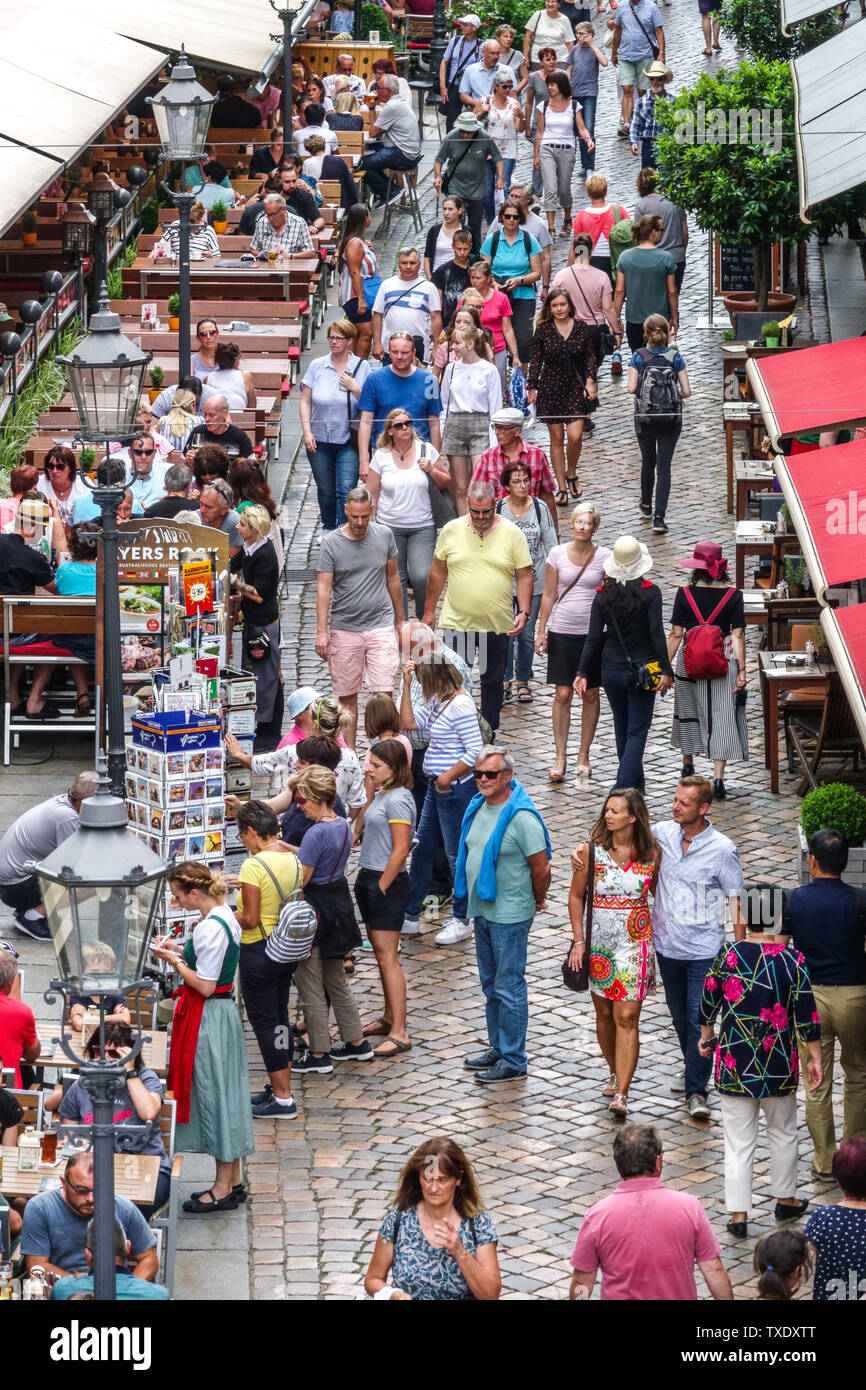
{"x": 651, "y": 41}
{"x": 442, "y": 504}
{"x": 451, "y": 168}
{"x": 578, "y": 980}
{"x": 354, "y": 424}
{"x": 606, "y": 340}
{"x": 293, "y": 933}
{"x": 645, "y": 675}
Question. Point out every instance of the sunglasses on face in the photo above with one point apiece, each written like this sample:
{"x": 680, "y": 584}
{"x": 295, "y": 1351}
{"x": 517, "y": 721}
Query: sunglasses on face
{"x": 208, "y": 333}
{"x": 480, "y": 511}
{"x": 402, "y": 425}
{"x": 511, "y": 217}
{"x": 75, "y": 1187}
{"x": 300, "y": 800}
{"x": 56, "y": 467}
{"x": 144, "y": 453}
{"x": 486, "y": 776}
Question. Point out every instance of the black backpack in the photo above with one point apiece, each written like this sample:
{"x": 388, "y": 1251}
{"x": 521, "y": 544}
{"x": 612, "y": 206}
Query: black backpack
{"x": 658, "y": 395}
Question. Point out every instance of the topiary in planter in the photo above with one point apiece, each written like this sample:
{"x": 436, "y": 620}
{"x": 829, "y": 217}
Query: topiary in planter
{"x": 835, "y": 806}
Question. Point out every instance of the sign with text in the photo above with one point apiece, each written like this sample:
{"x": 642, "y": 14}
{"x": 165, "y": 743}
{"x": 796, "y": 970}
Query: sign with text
{"x": 148, "y": 549}
{"x": 197, "y": 587}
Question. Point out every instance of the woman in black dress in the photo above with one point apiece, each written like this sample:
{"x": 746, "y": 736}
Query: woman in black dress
{"x": 256, "y": 577}
{"x": 563, "y": 384}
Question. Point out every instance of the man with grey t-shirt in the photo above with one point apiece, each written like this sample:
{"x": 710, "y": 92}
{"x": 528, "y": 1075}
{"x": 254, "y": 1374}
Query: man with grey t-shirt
{"x": 30, "y": 839}
{"x": 675, "y": 227}
{"x": 358, "y": 582}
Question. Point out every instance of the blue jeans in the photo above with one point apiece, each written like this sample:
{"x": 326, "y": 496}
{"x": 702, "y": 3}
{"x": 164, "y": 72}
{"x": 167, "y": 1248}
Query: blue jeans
{"x": 442, "y": 815}
{"x": 335, "y": 469}
{"x": 632, "y": 712}
{"x": 373, "y": 164}
{"x": 500, "y": 949}
{"x": 684, "y": 982}
{"x": 524, "y": 644}
{"x": 647, "y": 154}
{"x": 587, "y": 157}
{"x": 508, "y": 164}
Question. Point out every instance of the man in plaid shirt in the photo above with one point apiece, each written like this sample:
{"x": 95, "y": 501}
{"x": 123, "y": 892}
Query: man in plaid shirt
{"x": 509, "y": 448}
{"x": 280, "y": 230}
{"x": 645, "y": 125}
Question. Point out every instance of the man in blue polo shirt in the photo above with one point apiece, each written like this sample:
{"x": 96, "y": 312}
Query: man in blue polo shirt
{"x": 129, "y": 1288}
{"x": 401, "y": 385}
{"x": 638, "y": 27}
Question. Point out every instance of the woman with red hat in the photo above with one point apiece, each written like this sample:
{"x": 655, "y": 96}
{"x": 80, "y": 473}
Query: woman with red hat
{"x": 708, "y": 639}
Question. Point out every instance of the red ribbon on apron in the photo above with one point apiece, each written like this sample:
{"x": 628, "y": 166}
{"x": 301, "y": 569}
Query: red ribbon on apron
{"x": 184, "y": 1040}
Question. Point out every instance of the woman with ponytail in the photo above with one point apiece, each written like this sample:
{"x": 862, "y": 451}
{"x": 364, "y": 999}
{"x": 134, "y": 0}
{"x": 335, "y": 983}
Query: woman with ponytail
{"x": 783, "y": 1262}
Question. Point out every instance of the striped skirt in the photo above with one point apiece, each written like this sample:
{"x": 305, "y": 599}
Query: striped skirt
{"x": 706, "y": 720}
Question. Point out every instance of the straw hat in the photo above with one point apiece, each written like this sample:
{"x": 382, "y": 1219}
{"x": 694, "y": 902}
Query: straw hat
{"x": 629, "y": 559}
{"x": 658, "y": 69}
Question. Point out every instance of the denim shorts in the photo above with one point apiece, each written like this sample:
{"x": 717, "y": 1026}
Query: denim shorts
{"x": 632, "y": 74}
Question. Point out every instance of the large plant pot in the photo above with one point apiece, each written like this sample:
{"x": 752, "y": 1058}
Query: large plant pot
{"x": 779, "y": 305}
{"x": 153, "y": 393}
{"x": 28, "y": 238}
{"x": 220, "y": 228}
{"x": 173, "y": 324}
{"x": 855, "y": 872}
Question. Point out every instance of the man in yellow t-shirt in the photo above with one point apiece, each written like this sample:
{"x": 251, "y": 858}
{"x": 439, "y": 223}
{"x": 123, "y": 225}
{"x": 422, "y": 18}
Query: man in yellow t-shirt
{"x": 482, "y": 557}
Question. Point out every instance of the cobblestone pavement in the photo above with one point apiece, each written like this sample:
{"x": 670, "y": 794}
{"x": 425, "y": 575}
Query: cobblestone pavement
{"x": 541, "y": 1146}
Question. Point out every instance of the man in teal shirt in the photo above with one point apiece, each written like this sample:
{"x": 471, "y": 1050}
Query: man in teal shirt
{"x": 503, "y": 865}
{"x": 129, "y": 1289}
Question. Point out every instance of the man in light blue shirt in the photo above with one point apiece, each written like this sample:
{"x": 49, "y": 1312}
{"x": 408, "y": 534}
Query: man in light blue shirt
{"x": 476, "y": 83}
{"x": 148, "y": 486}
{"x": 638, "y": 27}
{"x": 213, "y": 190}
{"x": 699, "y": 873}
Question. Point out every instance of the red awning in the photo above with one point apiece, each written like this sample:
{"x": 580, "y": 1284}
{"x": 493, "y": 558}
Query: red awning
{"x": 826, "y": 495}
{"x": 846, "y": 638}
{"x": 819, "y": 388}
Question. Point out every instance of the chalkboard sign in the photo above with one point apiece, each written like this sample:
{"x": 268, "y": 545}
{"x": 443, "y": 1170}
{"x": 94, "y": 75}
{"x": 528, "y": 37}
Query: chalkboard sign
{"x": 735, "y": 268}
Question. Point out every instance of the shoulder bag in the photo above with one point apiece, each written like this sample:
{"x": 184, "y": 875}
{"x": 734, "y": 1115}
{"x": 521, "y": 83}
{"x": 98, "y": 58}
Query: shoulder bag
{"x": 578, "y": 980}
{"x": 453, "y": 165}
{"x": 645, "y": 675}
{"x": 354, "y": 421}
{"x": 650, "y": 40}
{"x": 294, "y": 931}
{"x": 606, "y": 340}
{"x": 442, "y": 504}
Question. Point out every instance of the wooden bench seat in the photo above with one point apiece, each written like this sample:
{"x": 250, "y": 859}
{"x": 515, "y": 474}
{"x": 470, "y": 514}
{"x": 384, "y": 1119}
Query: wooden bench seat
{"x": 47, "y": 618}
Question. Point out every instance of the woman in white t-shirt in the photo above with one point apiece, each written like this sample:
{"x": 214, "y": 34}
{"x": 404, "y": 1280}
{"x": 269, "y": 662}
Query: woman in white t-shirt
{"x": 399, "y": 486}
{"x": 438, "y": 247}
{"x": 559, "y": 122}
{"x": 574, "y": 572}
{"x": 471, "y": 392}
{"x": 504, "y": 120}
{"x": 548, "y": 28}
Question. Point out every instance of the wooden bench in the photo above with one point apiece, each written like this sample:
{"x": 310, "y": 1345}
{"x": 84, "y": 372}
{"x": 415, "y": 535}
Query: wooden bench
{"x": 228, "y": 242}
{"x": 45, "y": 617}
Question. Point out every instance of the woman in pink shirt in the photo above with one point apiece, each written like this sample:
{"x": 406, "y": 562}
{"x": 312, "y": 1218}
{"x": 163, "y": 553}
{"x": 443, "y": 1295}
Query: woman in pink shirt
{"x": 496, "y": 314}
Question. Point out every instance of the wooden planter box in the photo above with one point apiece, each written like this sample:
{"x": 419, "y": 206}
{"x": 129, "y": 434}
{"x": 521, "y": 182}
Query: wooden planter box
{"x": 855, "y": 873}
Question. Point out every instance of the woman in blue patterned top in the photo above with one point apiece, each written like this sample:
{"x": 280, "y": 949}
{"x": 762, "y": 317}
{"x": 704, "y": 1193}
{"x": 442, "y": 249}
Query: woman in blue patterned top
{"x": 437, "y": 1241}
{"x": 761, "y": 990}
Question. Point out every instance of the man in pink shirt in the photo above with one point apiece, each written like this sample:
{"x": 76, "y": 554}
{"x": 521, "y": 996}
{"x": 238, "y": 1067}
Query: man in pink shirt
{"x": 645, "y": 1238}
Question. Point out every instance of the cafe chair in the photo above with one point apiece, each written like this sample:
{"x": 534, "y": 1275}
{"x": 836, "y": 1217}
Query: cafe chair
{"x": 5, "y": 1238}
{"x": 829, "y": 734}
{"x": 410, "y": 185}
{"x": 165, "y": 1219}
{"x": 804, "y": 699}
{"x": 31, "y": 1103}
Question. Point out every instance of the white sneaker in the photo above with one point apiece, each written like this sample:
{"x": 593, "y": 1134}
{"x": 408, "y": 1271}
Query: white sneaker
{"x": 411, "y": 926}
{"x": 453, "y": 932}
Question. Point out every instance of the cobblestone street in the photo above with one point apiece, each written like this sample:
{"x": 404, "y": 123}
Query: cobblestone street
{"x": 541, "y": 1147}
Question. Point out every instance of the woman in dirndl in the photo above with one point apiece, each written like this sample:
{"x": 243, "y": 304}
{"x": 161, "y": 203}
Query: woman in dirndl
{"x": 208, "y": 1065}
{"x": 710, "y": 715}
{"x": 621, "y": 957}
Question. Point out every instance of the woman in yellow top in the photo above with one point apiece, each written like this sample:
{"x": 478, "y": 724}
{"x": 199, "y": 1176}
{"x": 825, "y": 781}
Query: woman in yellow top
{"x": 270, "y": 876}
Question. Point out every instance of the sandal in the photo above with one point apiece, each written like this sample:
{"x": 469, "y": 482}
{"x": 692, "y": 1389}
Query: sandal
{"x": 396, "y": 1047}
{"x": 349, "y": 964}
{"x": 507, "y": 693}
{"x": 561, "y": 498}
{"x": 195, "y": 1203}
{"x": 554, "y": 775}
{"x": 707, "y": 52}
{"x": 379, "y": 1028}
{"x": 239, "y": 1192}
{"x": 610, "y": 1088}
{"x": 619, "y": 1105}
{"x": 574, "y": 487}
{"x": 524, "y": 694}
{"x": 82, "y": 707}
{"x": 583, "y": 766}
{"x": 565, "y": 234}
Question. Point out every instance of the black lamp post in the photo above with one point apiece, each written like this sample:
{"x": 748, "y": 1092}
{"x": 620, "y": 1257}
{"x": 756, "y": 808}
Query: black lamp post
{"x": 101, "y": 889}
{"x": 9, "y": 345}
{"x": 78, "y": 233}
{"x": 438, "y": 45}
{"x": 101, "y": 194}
{"x": 285, "y": 16}
{"x": 106, "y": 377}
{"x": 182, "y": 112}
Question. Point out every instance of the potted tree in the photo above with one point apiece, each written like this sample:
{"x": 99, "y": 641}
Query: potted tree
{"x": 770, "y": 332}
{"x": 86, "y": 459}
{"x": 173, "y": 313}
{"x": 836, "y": 806}
{"x": 220, "y": 213}
{"x": 795, "y": 569}
{"x": 157, "y": 377}
{"x": 28, "y": 228}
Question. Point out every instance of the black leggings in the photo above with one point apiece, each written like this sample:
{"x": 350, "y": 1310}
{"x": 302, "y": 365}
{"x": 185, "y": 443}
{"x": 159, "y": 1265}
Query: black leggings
{"x": 656, "y": 444}
{"x": 266, "y": 984}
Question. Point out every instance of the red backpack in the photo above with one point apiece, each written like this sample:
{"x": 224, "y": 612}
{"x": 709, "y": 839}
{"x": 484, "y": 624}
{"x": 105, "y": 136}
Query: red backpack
{"x": 704, "y": 646}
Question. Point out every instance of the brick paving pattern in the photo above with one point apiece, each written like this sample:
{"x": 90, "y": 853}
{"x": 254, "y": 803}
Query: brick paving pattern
{"x": 541, "y": 1146}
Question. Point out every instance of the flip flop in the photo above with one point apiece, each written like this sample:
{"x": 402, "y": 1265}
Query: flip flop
{"x": 378, "y": 1028}
{"x": 561, "y": 498}
{"x": 707, "y": 52}
{"x": 396, "y": 1047}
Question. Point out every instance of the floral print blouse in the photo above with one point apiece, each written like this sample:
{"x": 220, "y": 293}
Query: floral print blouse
{"x": 764, "y": 997}
{"x": 428, "y": 1273}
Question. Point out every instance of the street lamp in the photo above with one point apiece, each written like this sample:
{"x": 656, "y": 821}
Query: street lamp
{"x": 101, "y": 194}
{"x": 106, "y": 377}
{"x": 78, "y": 232}
{"x": 182, "y": 112}
{"x": 438, "y": 45}
{"x": 101, "y": 890}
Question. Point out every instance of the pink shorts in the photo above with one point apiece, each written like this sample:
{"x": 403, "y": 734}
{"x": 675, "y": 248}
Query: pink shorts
{"x": 372, "y": 654}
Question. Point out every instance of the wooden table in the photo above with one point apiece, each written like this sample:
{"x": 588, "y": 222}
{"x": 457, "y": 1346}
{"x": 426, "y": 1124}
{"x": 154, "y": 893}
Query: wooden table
{"x": 269, "y": 371}
{"x": 755, "y": 606}
{"x": 253, "y": 343}
{"x": 155, "y": 276}
{"x": 135, "y": 1176}
{"x": 750, "y": 539}
{"x": 744, "y": 416}
{"x": 154, "y": 1052}
{"x": 776, "y": 676}
{"x": 751, "y": 475}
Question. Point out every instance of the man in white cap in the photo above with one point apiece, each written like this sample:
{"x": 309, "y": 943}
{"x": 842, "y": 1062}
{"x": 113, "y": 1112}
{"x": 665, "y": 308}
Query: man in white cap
{"x": 645, "y": 126}
{"x": 510, "y": 447}
{"x": 627, "y": 635}
{"x": 464, "y": 48}
{"x": 464, "y": 152}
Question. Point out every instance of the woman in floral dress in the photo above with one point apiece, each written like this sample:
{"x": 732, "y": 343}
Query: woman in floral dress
{"x": 621, "y": 961}
{"x": 563, "y": 386}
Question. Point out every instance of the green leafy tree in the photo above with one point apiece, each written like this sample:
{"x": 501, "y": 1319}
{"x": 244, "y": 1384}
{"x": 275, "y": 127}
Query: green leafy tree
{"x": 757, "y": 26}
{"x": 727, "y": 155}
{"x": 492, "y": 13}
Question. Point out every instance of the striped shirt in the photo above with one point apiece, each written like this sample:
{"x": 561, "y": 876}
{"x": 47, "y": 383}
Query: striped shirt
{"x": 202, "y": 238}
{"x": 454, "y": 734}
{"x": 369, "y": 267}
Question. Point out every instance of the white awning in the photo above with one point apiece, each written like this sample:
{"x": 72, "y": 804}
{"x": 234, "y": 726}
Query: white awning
{"x": 62, "y": 79}
{"x": 795, "y": 11}
{"x": 830, "y": 117}
{"x": 236, "y": 34}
